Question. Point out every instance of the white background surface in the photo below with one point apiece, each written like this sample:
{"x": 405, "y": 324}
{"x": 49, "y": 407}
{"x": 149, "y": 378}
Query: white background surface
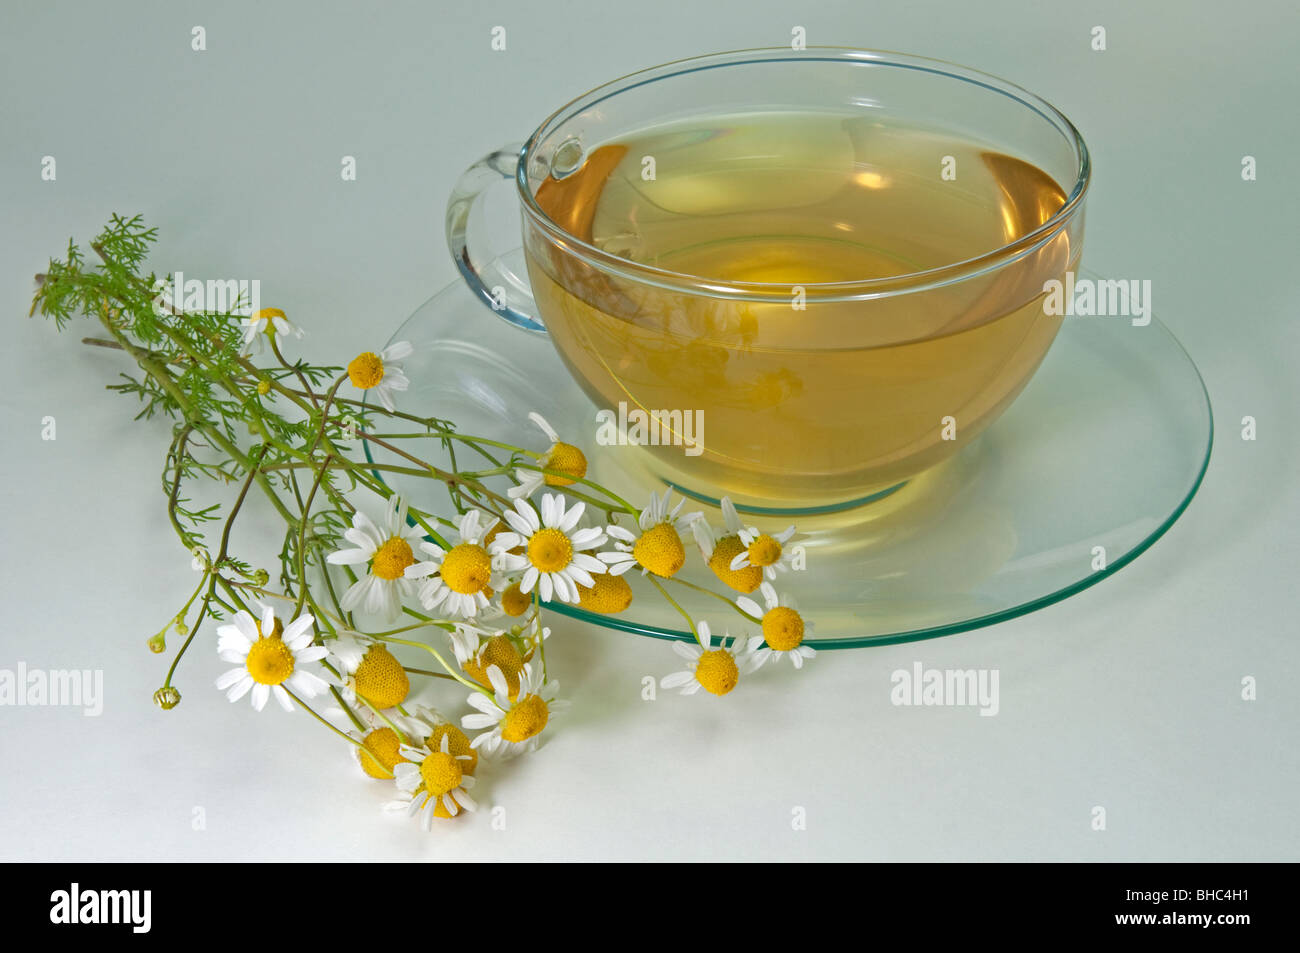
{"x": 1125, "y": 696}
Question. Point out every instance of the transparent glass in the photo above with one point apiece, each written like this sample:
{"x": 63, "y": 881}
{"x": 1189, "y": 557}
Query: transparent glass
{"x": 1032, "y": 511}
{"x": 877, "y": 303}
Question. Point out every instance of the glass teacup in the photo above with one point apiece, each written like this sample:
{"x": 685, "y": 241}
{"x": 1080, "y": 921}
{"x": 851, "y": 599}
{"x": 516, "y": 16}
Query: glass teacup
{"x": 798, "y": 278}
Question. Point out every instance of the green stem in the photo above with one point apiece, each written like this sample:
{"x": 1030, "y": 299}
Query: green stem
{"x": 673, "y": 602}
{"x": 307, "y": 708}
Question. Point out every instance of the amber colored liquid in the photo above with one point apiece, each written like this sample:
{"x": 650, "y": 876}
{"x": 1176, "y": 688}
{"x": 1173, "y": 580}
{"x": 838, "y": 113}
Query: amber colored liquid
{"x": 836, "y": 400}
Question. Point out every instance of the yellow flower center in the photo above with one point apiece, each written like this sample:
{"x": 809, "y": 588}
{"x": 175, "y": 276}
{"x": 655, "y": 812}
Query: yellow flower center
{"x": 380, "y": 753}
{"x": 566, "y": 458}
{"x": 467, "y": 568}
{"x": 366, "y": 370}
{"x": 269, "y": 661}
{"x": 525, "y": 719}
{"x": 380, "y": 678}
{"x": 764, "y": 551}
{"x": 783, "y": 629}
{"x": 514, "y": 602}
{"x": 716, "y": 672}
{"x": 457, "y": 744}
{"x": 742, "y": 580}
{"x": 501, "y": 652}
{"x": 549, "y": 550}
{"x": 609, "y": 595}
{"x": 269, "y": 313}
{"x": 441, "y": 773}
{"x": 660, "y": 550}
{"x": 392, "y": 558}
{"x": 264, "y": 387}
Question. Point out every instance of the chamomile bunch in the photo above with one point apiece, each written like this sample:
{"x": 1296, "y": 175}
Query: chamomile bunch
{"x": 468, "y": 589}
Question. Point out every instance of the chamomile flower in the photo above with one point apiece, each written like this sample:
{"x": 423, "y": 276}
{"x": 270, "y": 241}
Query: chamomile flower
{"x": 784, "y": 629}
{"x": 716, "y": 670}
{"x": 508, "y": 654}
{"x": 387, "y": 548}
{"x": 432, "y": 727}
{"x": 560, "y": 456}
{"x": 370, "y": 671}
{"x": 271, "y": 658}
{"x": 512, "y": 724}
{"x": 459, "y": 579}
{"x": 377, "y": 752}
{"x": 378, "y": 373}
{"x": 515, "y": 602}
{"x": 763, "y": 551}
{"x": 609, "y": 595}
{"x": 432, "y": 783}
{"x": 658, "y": 547}
{"x": 553, "y": 559}
{"x": 262, "y": 324}
{"x": 721, "y": 550}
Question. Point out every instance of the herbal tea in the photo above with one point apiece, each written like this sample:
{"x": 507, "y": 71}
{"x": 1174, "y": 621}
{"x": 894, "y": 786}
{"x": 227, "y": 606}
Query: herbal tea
{"x": 805, "y": 400}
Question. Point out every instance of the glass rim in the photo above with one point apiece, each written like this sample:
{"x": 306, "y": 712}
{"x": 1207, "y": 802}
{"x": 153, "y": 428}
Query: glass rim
{"x": 857, "y": 289}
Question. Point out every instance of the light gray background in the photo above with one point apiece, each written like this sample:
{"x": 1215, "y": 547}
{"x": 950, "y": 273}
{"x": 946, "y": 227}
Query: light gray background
{"x": 1125, "y": 696}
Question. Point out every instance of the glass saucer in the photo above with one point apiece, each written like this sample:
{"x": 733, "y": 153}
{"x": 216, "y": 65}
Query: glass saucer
{"x": 1099, "y": 456}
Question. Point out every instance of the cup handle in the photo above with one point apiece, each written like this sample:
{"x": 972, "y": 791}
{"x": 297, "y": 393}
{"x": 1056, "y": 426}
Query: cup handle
{"x": 497, "y": 282}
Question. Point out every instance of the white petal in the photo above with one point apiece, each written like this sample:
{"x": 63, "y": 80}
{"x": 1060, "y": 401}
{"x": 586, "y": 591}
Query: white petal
{"x": 525, "y": 511}
{"x": 228, "y": 678}
{"x": 349, "y": 557}
{"x": 245, "y": 624}
{"x": 545, "y": 427}
{"x": 240, "y": 688}
{"x": 499, "y": 684}
{"x": 552, "y": 509}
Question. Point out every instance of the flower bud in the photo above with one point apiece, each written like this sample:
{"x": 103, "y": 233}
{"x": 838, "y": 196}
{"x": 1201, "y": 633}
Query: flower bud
{"x": 167, "y": 698}
{"x": 158, "y": 643}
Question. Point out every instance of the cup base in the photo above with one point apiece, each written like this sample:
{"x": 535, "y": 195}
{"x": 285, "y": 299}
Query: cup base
{"x": 794, "y": 512}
